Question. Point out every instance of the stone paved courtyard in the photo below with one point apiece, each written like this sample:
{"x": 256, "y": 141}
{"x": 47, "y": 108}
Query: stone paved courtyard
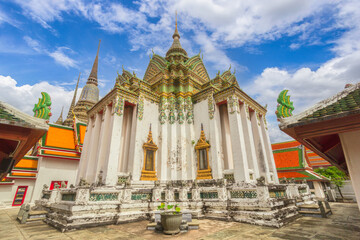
{"x": 343, "y": 224}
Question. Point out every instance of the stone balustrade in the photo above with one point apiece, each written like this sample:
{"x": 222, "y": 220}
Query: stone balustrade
{"x": 216, "y": 198}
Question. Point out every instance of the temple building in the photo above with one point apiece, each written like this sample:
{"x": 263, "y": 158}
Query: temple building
{"x": 294, "y": 162}
{"x": 176, "y": 136}
{"x": 177, "y": 97}
{"x": 88, "y": 97}
{"x": 331, "y": 128}
{"x": 19, "y": 132}
{"x": 53, "y": 159}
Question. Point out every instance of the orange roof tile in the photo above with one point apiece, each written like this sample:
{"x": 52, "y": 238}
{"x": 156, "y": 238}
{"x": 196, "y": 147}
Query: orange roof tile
{"x": 60, "y": 137}
{"x": 24, "y": 163}
{"x": 277, "y": 146}
{"x": 288, "y": 159}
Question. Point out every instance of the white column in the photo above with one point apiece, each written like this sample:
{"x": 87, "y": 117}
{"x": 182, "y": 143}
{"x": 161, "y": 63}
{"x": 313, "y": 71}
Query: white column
{"x": 269, "y": 152}
{"x": 85, "y": 151}
{"x": 182, "y": 174}
{"x": 96, "y": 161}
{"x": 350, "y": 142}
{"x": 172, "y": 139}
{"x": 134, "y": 132}
{"x": 112, "y": 162}
{"x": 228, "y": 160}
{"x": 261, "y": 155}
{"x": 319, "y": 192}
{"x": 190, "y": 152}
{"x": 249, "y": 140}
{"x": 241, "y": 169}
{"x": 125, "y": 150}
{"x": 163, "y": 153}
{"x": 91, "y": 166}
{"x": 104, "y": 139}
{"x": 215, "y": 146}
{"x": 138, "y": 159}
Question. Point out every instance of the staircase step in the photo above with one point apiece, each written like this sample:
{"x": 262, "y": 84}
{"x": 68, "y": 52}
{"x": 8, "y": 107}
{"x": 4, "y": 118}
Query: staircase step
{"x": 37, "y": 213}
{"x": 309, "y": 206}
{"x": 35, "y": 219}
{"x": 313, "y": 213}
{"x": 309, "y": 209}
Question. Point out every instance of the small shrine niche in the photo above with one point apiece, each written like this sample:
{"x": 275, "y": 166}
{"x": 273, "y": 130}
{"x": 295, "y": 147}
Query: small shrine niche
{"x": 202, "y": 151}
{"x": 148, "y": 172}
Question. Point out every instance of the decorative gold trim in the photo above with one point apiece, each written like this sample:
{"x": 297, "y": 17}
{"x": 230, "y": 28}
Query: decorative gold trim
{"x": 200, "y": 145}
{"x": 147, "y": 175}
{"x": 234, "y": 90}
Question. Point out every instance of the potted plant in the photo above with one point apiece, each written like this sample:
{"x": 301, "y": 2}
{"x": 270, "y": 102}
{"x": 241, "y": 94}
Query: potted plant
{"x": 170, "y": 219}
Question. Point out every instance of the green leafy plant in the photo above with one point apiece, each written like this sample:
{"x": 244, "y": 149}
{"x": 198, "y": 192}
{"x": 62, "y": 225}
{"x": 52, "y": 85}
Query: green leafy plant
{"x": 336, "y": 176}
{"x": 169, "y": 207}
{"x": 193, "y": 142}
{"x": 162, "y": 206}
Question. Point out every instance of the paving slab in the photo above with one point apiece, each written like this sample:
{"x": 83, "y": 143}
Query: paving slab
{"x": 343, "y": 224}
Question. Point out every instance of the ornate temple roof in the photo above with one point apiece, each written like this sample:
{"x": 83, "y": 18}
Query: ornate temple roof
{"x": 346, "y": 102}
{"x": 176, "y": 48}
{"x": 19, "y": 133}
{"x": 292, "y": 161}
{"x": 60, "y": 119}
{"x": 315, "y": 160}
{"x": 90, "y": 91}
{"x": 69, "y": 119}
{"x": 88, "y": 97}
{"x": 12, "y": 116}
{"x": 93, "y": 74}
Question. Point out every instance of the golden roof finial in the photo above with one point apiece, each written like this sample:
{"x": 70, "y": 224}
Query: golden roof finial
{"x": 176, "y": 33}
{"x": 176, "y": 19}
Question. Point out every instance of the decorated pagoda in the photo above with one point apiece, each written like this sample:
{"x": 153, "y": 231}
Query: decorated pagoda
{"x": 180, "y": 137}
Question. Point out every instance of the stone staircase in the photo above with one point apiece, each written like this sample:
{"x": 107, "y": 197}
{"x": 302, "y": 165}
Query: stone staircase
{"x": 26, "y": 215}
{"x": 321, "y": 209}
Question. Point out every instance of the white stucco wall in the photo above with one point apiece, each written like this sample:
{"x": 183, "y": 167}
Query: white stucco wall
{"x": 150, "y": 116}
{"x": 51, "y": 169}
{"x": 350, "y": 142}
{"x": 318, "y": 189}
{"x": 7, "y": 192}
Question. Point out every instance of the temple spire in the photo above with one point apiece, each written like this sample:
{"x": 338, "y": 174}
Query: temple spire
{"x": 60, "y": 119}
{"x": 176, "y": 33}
{"x": 70, "y": 115}
{"x": 176, "y": 48}
{"x": 93, "y": 74}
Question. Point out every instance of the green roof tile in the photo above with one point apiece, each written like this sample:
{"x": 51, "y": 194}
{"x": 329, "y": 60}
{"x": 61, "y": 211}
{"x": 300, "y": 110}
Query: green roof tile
{"x": 348, "y": 103}
{"x": 8, "y": 116}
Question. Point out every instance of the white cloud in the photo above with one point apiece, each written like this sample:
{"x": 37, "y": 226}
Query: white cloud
{"x": 34, "y": 44}
{"x": 294, "y": 46}
{"x": 218, "y": 25}
{"x": 213, "y": 52}
{"x": 306, "y": 87}
{"x": 348, "y": 17}
{"x": 4, "y": 18}
{"x": 24, "y": 97}
{"x": 44, "y": 11}
{"x": 58, "y": 55}
{"x": 226, "y": 24}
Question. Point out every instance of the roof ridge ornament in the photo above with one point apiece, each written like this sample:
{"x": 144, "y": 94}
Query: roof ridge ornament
{"x": 285, "y": 106}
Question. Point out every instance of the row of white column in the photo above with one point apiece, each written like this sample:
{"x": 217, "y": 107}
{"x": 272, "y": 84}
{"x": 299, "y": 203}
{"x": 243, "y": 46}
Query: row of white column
{"x": 250, "y": 145}
{"x": 101, "y": 147}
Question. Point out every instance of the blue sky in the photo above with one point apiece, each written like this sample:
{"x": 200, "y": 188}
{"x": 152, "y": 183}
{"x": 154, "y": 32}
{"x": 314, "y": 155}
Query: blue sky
{"x": 310, "y": 47}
